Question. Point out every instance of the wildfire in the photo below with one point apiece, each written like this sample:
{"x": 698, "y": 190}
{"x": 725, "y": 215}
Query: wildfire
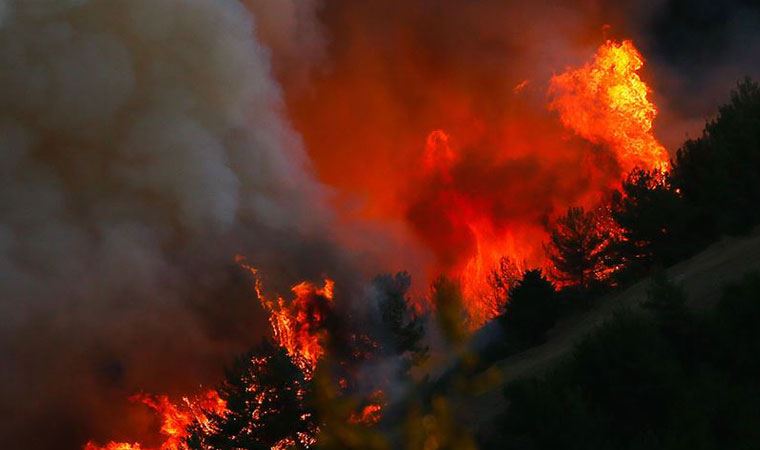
{"x": 176, "y": 419}
{"x": 298, "y": 325}
{"x": 605, "y": 101}
{"x": 469, "y": 214}
{"x": 469, "y": 223}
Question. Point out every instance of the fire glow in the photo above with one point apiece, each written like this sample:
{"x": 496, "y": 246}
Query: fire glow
{"x": 176, "y": 419}
{"x": 297, "y": 325}
{"x": 604, "y": 102}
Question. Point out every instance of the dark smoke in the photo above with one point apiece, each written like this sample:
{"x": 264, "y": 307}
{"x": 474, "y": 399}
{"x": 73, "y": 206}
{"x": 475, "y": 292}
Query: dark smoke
{"x": 144, "y": 143}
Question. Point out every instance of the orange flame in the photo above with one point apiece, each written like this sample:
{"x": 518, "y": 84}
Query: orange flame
{"x": 298, "y": 325}
{"x": 176, "y": 419}
{"x": 372, "y": 412}
{"x": 490, "y": 242}
{"x": 113, "y": 446}
{"x": 605, "y": 101}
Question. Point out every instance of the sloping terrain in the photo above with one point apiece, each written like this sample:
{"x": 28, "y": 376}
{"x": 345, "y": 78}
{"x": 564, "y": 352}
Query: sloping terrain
{"x": 702, "y": 276}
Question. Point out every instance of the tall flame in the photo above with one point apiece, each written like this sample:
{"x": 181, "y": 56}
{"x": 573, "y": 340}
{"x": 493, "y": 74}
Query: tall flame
{"x": 298, "y": 325}
{"x": 606, "y": 102}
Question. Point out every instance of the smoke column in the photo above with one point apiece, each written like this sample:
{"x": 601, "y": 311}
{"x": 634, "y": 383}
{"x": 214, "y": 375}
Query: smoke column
{"x": 144, "y": 143}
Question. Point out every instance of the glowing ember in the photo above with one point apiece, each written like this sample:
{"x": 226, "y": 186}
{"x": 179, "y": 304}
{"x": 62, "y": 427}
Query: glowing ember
{"x": 372, "y": 412}
{"x": 298, "y": 325}
{"x": 606, "y": 102}
{"x": 176, "y": 419}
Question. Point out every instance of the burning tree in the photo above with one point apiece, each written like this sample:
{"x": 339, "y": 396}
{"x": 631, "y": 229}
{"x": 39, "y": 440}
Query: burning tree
{"x": 580, "y": 248}
{"x": 265, "y": 394}
{"x": 503, "y": 278}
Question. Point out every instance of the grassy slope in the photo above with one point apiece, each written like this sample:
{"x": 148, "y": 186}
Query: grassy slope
{"x": 702, "y": 276}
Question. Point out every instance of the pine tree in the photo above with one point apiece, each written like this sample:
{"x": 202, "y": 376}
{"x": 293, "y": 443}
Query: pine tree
{"x": 532, "y": 308}
{"x": 718, "y": 173}
{"x": 653, "y": 221}
{"x": 580, "y": 248}
{"x": 265, "y": 394}
{"x": 405, "y": 328}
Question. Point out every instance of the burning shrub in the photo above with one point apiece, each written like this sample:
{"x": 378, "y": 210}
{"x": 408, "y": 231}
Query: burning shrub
{"x": 580, "y": 248}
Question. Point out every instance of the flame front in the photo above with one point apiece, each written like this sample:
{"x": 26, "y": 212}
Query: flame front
{"x": 176, "y": 419}
{"x": 606, "y": 102}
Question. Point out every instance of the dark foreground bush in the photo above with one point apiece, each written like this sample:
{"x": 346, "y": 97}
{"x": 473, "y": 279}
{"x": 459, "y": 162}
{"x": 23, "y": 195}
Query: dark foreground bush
{"x": 662, "y": 379}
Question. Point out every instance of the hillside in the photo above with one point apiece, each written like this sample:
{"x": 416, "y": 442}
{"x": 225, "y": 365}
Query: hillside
{"x": 701, "y": 276}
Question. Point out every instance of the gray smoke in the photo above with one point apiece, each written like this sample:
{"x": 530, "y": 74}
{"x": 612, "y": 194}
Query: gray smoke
{"x": 143, "y": 145}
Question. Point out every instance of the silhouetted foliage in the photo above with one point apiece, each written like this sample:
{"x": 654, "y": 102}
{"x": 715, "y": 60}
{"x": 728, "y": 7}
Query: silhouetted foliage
{"x": 506, "y": 275}
{"x": 405, "y": 328}
{"x": 639, "y": 383}
{"x": 447, "y": 297}
{"x": 532, "y": 308}
{"x": 719, "y": 173}
{"x": 338, "y": 429}
{"x": 265, "y": 394}
{"x": 579, "y": 248}
{"x": 654, "y": 223}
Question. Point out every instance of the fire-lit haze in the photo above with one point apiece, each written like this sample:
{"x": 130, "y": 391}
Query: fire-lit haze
{"x": 474, "y": 203}
{"x": 469, "y": 153}
{"x": 604, "y": 101}
{"x": 146, "y": 143}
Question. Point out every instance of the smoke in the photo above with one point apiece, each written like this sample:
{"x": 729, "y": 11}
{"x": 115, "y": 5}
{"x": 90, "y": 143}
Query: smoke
{"x": 291, "y": 30}
{"x": 697, "y": 51}
{"x": 144, "y": 143}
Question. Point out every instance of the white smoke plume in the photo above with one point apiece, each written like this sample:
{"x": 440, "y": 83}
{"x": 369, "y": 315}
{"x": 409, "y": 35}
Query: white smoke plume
{"x": 143, "y": 143}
